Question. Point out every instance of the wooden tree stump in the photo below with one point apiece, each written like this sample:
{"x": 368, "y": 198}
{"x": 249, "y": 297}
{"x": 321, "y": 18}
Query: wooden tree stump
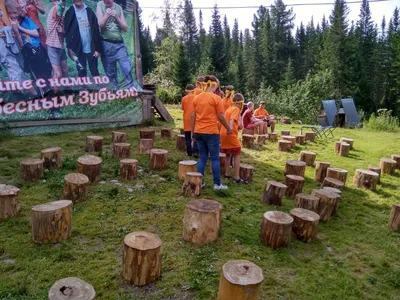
{"x": 166, "y": 133}
{"x": 300, "y": 139}
{"x": 396, "y": 157}
{"x": 192, "y": 184}
{"x": 333, "y": 190}
{"x": 221, "y": 163}
{"x": 141, "y": 259}
{"x": 328, "y": 203}
{"x": 90, "y": 166}
{"x": 52, "y": 158}
{"x": 51, "y": 222}
{"x": 181, "y": 142}
{"x": 321, "y": 168}
{"x": 305, "y": 224}
{"x": 285, "y": 132}
{"x": 248, "y": 141}
{"x": 348, "y": 141}
{"x": 377, "y": 170}
{"x": 186, "y": 166}
{"x": 261, "y": 139}
{"x": 276, "y": 229}
{"x": 332, "y": 182}
{"x": 202, "y": 221}
{"x": 76, "y": 187}
{"x": 145, "y": 145}
{"x": 338, "y": 174}
{"x": 119, "y": 137}
{"x": 273, "y": 137}
{"x": 248, "y": 131}
{"x": 9, "y": 201}
{"x": 394, "y": 219}
{"x": 122, "y": 150}
{"x": 284, "y": 145}
{"x": 31, "y": 169}
{"x": 310, "y": 136}
{"x": 294, "y": 185}
{"x": 94, "y": 144}
{"x": 158, "y": 159}
{"x": 337, "y": 146}
{"x": 240, "y": 280}
{"x": 128, "y": 169}
{"x": 246, "y": 172}
{"x": 308, "y": 202}
{"x": 308, "y": 157}
{"x": 290, "y": 138}
{"x": 388, "y": 166}
{"x": 147, "y": 134}
{"x": 295, "y": 167}
{"x": 365, "y": 179}
{"x": 344, "y": 149}
{"x": 273, "y": 193}
{"x": 71, "y": 288}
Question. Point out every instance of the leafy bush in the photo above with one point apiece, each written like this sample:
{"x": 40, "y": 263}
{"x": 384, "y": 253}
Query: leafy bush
{"x": 169, "y": 96}
{"x": 383, "y": 121}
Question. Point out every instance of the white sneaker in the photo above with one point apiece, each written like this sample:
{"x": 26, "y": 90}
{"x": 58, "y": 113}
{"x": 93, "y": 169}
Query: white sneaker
{"x": 220, "y": 187}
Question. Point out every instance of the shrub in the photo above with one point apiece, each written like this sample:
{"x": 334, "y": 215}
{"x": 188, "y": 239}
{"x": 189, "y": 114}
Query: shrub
{"x": 383, "y": 121}
{"x": 169, "y": 96}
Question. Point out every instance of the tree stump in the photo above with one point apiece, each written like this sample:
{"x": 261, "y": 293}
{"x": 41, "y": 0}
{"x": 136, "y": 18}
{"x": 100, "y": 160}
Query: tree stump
{"x": 181, "y": 142}
{"x": 76, "y": 187}
{"x": 9, "y": 201}
{"x": 321, "y": 168}
{"x": 145, "y": 145}
{"x": 338, "y": 174}
{"x": 261, "y": 139}
{"x": 273, "y": 193}
{"x": 192, "y": 184}
{"x": 290, "y": 138}
{"x": 249, "y": 131}
{"x": 147, "y": 134}
{"x": 285, "y": 132}
{"x": 377, "y": 170}
{"x": 344, "y": 149}
{"x": 300, "y": 139}
{"x": 221, "y": 163}
{"x": 71, "y": 288}
{"x": 128, "y": 169}
{"x": 310, "y": 136}
{"x": 90, "y": 166}
{"x": 308, "y": 202}
{"x": 328, "y": 203}
{"x": 388, "y": 166}
{"x": 141, "y": 260}
{"x": 186, "y": 166}
{"x": 294, "y": 185}
{"x": 52, "y": 158}
{"x": 240, "y": 280}
{"x": 122, "y": 150}
{"x": 166, "y": 133}
{"x": 337, "y": 146}
{"x": 305, "y": 224}
{"x": 348, "y": 141}
{"x": 31, "y": 169}
{"x": 158, "y": 159}
{"x": 273, "y": 137}
{"x": 284, "y": 145}
{"x": 94, "y": 144}
{"x": 394, "y": 219}
{"x": 276, "y": 229}
{"x": 308, "y": 157}
{"x": 365, "y": 179}
{"x": 332, "y": 189}
{"x": 396, "y": 157}
{"x": 119, "y": 137}
{"x": 181, "y": 131}
{"x": 246, "y": 172}
{"x": 202, "y": 221}
{"x": 295, "y": 167}
{"x": 332, "y": 182}
{"x": 51, "y": 222}
{"x": 248, "y": 141}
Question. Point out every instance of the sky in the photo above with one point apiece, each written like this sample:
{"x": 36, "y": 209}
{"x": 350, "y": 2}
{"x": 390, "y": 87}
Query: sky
{"x": 153, "y": 17}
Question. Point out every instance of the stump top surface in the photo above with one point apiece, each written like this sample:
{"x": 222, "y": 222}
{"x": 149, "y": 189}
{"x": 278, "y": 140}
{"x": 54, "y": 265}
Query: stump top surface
{"x": 119, "y": 133}
{"x": 334, "y": 181}
{"x": 273, "y": 133}
{"x": 305, "y": 214}
{"x": 331, "y": 189}
{"x": 76, "y": 178}
{"x": 308, "y": 152}
{"x": 50, "y": 150}
{"x": 166, "y": 128}
{"x": 188, "y": 162}
{"x": 52, "y": 206}
{"x": 31, "y": 161}
{"x": 71, "y": 288}
{"x": 8, "y": 190}
{"x": 346, "y": 139}
{"x": 323, "y": 163}
{"x": 374, "y": 168}
{"x": 345, "y": 144}
{"x": 158, "y": 151}
{"x": 146, "y": 140}
{"x": 122, "y": 144}
{"x": 388, "y": 160}
{"x": 277, "y": 184}
{"x": 289, "y": 137}
{"x": 298, "y": 163}
{"x": 147, "y": 130}
{"x": 204, "y": 205}
{"x": 325, "y": 193}
{"x": 194, "y": 174}
{"x": 242, "y": 272}
{"x": 284, "y": 142}
{"x": 278, "y": 217}
{"x": 128, "y": 161}
{"x": 95, "y": 137}
{"x": 246, "y": 166}
{"x": 395, "y": 156}
{"x": 90, "y": 160}
{"x": 394, "y": 206}
{"x": 307, "y": 197}
{"x": 142, "y": 240}
{"x": 337, "y": 170}
{"x": 295, "y": 177}
{"x": 248, "y": 135}
{"x": 181, "y": 135}
{"x": 367, "y": 172}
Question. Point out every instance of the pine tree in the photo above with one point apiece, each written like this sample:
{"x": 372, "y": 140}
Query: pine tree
{"x": 235, "y": 40}
{"x": 146, "y": 46}
{"x": 180, "y": 66}
{"x": 202, "y": 32}
{"x": 289, "y": 76}
{"x": 301, "y": 57}
{"x": 269, "y": 54}
{"x": 259, "y": 20}
{"x": 251, "y": 81}
{"x": 217, "y": 52}
{"x": 190, "y": 36}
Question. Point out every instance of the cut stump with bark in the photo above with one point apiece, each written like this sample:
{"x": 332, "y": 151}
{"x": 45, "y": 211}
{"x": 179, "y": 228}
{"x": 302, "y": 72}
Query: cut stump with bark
{"x": 248, "y": 141}
{"x": 394, "y": 219}
{"x": 333, "y": 183}
{"x": 141, "y": 259}
{"x": 158, "y": 159}
{"x": 285, "y": 132}
{"x": 181, "y": 142}
{"x": 310, "y": 136}
{"x": 128, "y": 169}
{"x": 348, "y": 141}
{"x": 261, "y": 139}
{"x": 344, "y": 149}
{"x": 338, "y": 174}
{"x": 337, "y": 146}
{"x": 31, "y": 169}
{"x": 249, "y": 131}
{"x": 305, "y": 224}
{"x": 308, "y": 202}
{"x": 202, "y": 221}
{"x": 76, "y": 187}
{"x": 276, "y": 229}
{"x": 388, "y": 166}
{"x": 294, "y": 185}
{"x": 166, "y": 133}
{"x": 147, "y": 133}
{"x": 119, "y": 137}
{"x": 396, "y": 157}
{"x": 122, "y": 150}
{"x": 365, "y": 179}
{"x": 284, "y": 145}
{"x": 192, "y": 185}
{"x": 71, "y": 288}
{"x": 273, "y": 193}
{"x": 300, "y": 139}
{"x": 377, "y": 170}
{"x": 145, "y": 145}
{"x": 308, "y": 157}
{"x": 52, "y": 158}
{"x": 328, "y": 203}
{"x": 94, "y": 144}
{"x": 90, "y": 166}
{"x": 295, "y": 167}
{"x": 221, "y": 163}
{"x": 290, "y": 138}
{"x": 246, "y": 172}
{"x": 332, "y": 189}
{"x": 9, "y": 201}
{"x": 321, "y": 168}
{"x": 186, "y": 166}
{"x": 273, "y": 137}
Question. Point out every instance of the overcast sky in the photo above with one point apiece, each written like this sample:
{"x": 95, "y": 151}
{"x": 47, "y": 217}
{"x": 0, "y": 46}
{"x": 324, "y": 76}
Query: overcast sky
{"x": 152, "y": 17}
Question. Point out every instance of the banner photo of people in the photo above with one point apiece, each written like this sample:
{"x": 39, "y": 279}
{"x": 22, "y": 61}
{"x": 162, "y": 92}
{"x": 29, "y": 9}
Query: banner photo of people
{"x": 69, "y": 64}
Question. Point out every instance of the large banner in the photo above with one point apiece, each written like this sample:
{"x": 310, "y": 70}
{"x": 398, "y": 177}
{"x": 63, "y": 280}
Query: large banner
{"x": 67, "y": 65}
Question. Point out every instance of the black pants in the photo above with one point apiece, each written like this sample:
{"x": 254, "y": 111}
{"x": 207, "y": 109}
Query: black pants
{"x": 88, "y": 59}
{"x": 189, "y": 150}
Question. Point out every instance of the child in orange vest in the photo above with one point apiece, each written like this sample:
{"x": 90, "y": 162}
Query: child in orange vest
{"x": 227, "y": 100}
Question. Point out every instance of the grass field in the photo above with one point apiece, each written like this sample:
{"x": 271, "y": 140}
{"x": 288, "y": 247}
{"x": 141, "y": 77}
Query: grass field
{"x": 354, "y": 256}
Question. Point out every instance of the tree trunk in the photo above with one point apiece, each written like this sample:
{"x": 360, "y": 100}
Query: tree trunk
{"x": 119, "y": 137}
{"x": 276, "y": 229}
{"x": 273, "y": 193}
{"x": 90, "y": 166}
{"x": 9, "y": 201}
{"x": 294, "y": 185}
{"x": 308, "y": 157}
{"x": 388, "y": 166}
{"x": 300, "y": 139}
{"x": 221, "y": 163}
{"x": 71, "y": 288}
{"x": 290, "y": 138}
{"x": 186, "y": 166}
{"x": 396, "y": 157}
{"x": 332, "y": 182}
{"x": 192, "y": 184}
{"x": 158, "y": 159}
{"x": 166, "y": 133}
{"x": 365, "y": 179}
{"x": 128, "y": 169}
{"x": 348, "y": 141}
{"x": 344, "y": 149}
{"x": 180, "y": 142}
{"x": 377, "y": 170}
{"x": 248, "y": 131}
{"x": 51, "y": 222}
{"x": 76, "y": 187}
{"x": 328, "y": 203}
{"x": 202, "y": 221}
{"x": 141, "y": 260}
{"x": 308, "y": 202}
{"x": 305, "y": 224}
{"x": 273, "y": 137}
{"x": 321, "y": 169}
{"x": 310, "y": 136}
{"x": 94, "y": 144}
{"x": 333, "y": 190}
{"x": 338, "y": 174}
{"x": 261, "y": 139}
{"x": 147, "y": 134}
{"x": 248, "y": 141}
{"x": 52, "y": 158}
{"x": 122, "y": 150}
{"x": 284, "y": 145}
{"x": 240, "y": 280}
{"x": 31, "y": 169}
{"x": 285, "y": 132}
{"x": 145, "y": 145}
{"x": 337, "y": 146}
{"x": 295, "y": 167}
{"x": 246, "y": 172}
{"x": 394, "y": 219}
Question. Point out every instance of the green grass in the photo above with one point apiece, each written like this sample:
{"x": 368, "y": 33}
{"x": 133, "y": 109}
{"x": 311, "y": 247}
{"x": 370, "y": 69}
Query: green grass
{"x": 363, "y": 262}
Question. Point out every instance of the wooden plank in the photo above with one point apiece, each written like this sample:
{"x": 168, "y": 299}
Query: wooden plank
{"x": 160, "y": 108}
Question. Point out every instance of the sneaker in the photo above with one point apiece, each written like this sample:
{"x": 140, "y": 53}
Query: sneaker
{"x": 203, "y": 185}
{"x": 220, "y": 187}
{"x": 240, "y": 181}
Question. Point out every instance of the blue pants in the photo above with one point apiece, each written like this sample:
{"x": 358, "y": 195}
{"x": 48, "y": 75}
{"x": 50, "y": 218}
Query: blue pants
{"x": 189, "y": 150}
{"x": 208, "y": 145}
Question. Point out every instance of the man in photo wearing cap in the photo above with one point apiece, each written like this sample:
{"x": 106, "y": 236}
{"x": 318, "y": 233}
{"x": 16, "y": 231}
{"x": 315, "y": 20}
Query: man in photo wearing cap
{"x": 262, "y": 114}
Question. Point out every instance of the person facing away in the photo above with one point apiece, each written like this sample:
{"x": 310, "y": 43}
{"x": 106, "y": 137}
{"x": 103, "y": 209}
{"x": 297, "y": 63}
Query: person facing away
{"x": 200, "y": 85}
{"x": 227, "y": 101}
{"x": 207, "y": 111}
{"x": 250, "y": 122}
{"x": 187, "y": 107}
{"x": 262, "y": 114}
{"x": 112, "y": 23}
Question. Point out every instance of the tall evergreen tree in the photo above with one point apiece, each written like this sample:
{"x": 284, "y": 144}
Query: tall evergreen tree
{"x": 190, "y": 36}
{"x": 217, "y": 52}
{"x": 259, "y": 20}
{"x": 146, "y": 46}
{"x": 268, "y": 54}
{"x": 251, "y": 81}
{"x": 235, "y": 40}
{"x": 180, "y": 67}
